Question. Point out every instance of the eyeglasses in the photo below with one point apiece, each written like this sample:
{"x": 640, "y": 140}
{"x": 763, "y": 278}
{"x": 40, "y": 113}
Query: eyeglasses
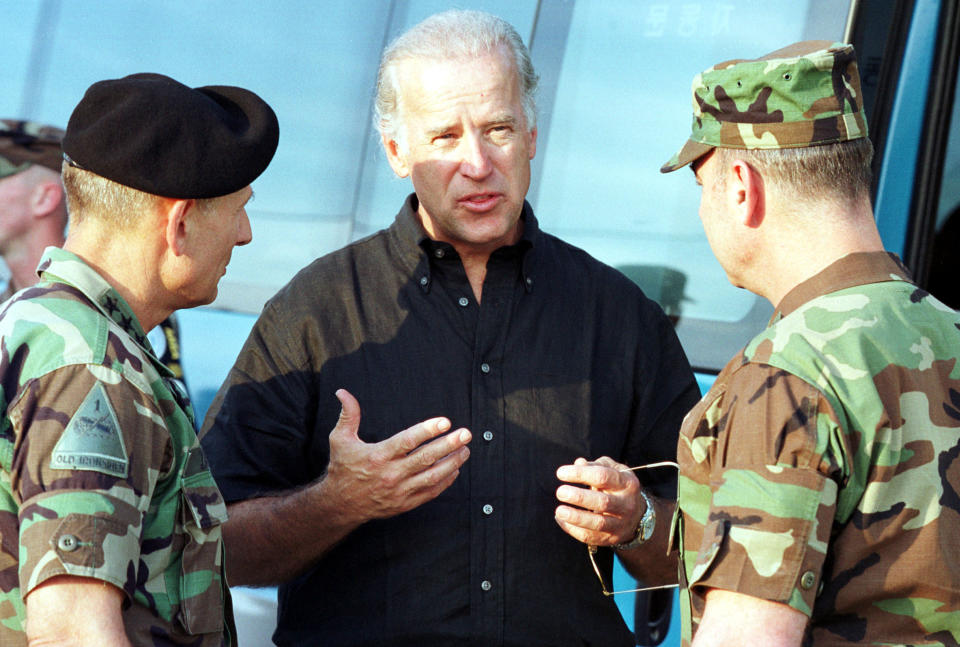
{"x": 592, "y": 550}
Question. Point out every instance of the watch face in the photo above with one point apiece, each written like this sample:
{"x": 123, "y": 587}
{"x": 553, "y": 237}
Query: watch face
{"x": 647, "y": 525}
{"x": 649, "y": 519}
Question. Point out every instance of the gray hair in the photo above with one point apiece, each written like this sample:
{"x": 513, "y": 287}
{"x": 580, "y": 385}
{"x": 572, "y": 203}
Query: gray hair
{"x": 449, "y": 35}
{"x": 93, "y": 196}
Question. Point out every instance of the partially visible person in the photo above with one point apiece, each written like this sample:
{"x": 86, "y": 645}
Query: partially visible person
{"x": 33, "y": 216}
{"x": 109, "y": 517}
{"x": 33, "y": 211}
{"x": 820, "y": 477}
{"x": 461, "y": 324}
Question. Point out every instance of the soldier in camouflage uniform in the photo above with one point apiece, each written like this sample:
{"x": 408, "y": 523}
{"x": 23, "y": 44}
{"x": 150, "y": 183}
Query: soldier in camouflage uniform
{"x": 33, "y": 212}
{"x": 819, "y": 496}
{"x": 33, "y": 216}
{"x": 109, "y": 516}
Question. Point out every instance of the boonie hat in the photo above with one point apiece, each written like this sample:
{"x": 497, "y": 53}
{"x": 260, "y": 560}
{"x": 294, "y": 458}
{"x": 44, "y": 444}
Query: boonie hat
{"x": 25, "y": 143}
{"x": 806, "y": 94}
{"x": 155, "y": 134}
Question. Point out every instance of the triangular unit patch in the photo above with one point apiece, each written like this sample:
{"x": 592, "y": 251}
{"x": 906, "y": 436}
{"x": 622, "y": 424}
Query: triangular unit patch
{"x": 92, "y": 440}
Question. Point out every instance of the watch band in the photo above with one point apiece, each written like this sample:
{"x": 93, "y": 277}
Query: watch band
{"x": 648, "y": 523}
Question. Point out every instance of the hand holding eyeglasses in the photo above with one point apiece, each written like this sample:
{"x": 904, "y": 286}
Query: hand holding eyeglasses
{"x": 607, "y": 511}
{"x": 600, "y": 501}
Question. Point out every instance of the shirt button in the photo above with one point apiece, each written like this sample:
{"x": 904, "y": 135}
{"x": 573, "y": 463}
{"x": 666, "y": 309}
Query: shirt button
{"x": 529, "y": 281}
{"x": 463, "y": 301}
{"x": 424, "y": 280}
{"x": 807, "y": 580}
{"x": 67, "y": 543}
{"x": 485, "y": 367}
{"x": 488, "y": 509}
{"x": 488, "y": 435}
{"x": 486, "y": 585}
{"x": 438, "y": 253}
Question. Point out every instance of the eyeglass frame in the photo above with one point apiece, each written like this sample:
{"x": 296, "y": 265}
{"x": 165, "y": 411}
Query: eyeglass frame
{"x": 592, "y": 549}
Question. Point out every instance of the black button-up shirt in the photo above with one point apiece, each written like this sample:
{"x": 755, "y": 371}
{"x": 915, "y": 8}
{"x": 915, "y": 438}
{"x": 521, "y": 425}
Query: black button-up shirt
{"x": 565, "y": 357}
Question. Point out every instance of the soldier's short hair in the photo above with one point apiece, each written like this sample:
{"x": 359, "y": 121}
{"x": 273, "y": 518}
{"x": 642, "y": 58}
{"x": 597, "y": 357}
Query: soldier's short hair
{"x": 95, "y": 197}
{"x": 453, "y": 34}
{"x": 840, "y": 172}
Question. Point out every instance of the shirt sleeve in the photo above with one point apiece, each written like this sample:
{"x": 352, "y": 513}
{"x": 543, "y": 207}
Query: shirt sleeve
{"x": 91, "y": 448}
{"x": 772, "y": 485}
{"x": 263, "y": 415}
{"x": 664, "y": 390}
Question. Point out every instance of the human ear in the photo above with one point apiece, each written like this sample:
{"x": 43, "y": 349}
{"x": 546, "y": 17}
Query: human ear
{"x": 46, "y": 197}
{"x": 747, "y": 193}
{"x": 395, "y": 157}
{"x": 175, "y": 231}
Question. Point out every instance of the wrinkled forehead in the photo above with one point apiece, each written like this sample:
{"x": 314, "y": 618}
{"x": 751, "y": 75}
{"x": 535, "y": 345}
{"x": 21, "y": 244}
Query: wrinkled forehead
{"x": 431, "y": 87}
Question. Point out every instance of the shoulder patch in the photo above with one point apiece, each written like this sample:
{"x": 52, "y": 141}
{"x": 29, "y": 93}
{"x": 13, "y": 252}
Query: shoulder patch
{"x": 92, "y": 440}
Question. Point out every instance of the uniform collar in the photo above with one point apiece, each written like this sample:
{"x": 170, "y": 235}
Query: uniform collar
{"x": 60, "y": 266}
{"x": 859, "y": 268}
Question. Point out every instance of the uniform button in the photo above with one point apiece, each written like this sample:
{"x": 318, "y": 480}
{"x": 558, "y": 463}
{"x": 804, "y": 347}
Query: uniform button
{"x": 438, "y": 253}
{"x": 488, "y": 509}
{"x": 486, "y": 585}
{"x": 463, "y": 301}
{"x": 67, "y": 543}
{"x": 424, "y": 280}
{"x": 485, "y": 367}
{"x": 529, "y": 281}
{"x": 807, "y": 580}
{"x": 488, "y": 435}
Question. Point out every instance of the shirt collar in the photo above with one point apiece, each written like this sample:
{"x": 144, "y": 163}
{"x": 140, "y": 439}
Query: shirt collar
{"x": 60, "y": 266}
{"x": 859, "y": 268}
{"x": 414, "y": 246}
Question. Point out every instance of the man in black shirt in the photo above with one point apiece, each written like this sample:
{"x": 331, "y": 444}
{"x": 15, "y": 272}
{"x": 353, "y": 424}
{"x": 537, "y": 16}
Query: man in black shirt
{"x": 463, "y": 315}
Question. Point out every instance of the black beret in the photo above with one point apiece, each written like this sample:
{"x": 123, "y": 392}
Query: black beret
{"x": 152, "y": 133}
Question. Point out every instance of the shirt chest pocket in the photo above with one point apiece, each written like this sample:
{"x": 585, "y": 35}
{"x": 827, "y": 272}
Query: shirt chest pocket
{"x": 202, "y": 514}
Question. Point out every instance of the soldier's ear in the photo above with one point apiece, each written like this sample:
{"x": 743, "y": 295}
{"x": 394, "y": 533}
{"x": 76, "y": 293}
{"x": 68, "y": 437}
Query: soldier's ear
{"x": 747, "y": 193}
{"x": 46, "y": 197}
{"x": 176, "y": 229}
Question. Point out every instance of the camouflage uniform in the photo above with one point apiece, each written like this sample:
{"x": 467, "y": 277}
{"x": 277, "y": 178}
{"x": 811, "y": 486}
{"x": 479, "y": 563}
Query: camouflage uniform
{"x": 822, "y": 470}
{"x": 25, "y": 143}
{"x": 102, "y": 474}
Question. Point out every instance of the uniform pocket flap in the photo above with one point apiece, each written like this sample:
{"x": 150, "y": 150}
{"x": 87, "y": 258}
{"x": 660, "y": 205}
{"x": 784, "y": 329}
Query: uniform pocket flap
{"x": 200, "y": 492}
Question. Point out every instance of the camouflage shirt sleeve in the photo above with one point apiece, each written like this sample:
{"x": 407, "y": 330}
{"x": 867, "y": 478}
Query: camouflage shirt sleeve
{"x": 91, "y": 447}
{"x": 764, "y": 461}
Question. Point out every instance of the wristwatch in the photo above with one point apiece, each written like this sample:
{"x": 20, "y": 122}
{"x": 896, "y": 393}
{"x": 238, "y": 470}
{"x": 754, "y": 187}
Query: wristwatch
{"x": 648, "y": 522}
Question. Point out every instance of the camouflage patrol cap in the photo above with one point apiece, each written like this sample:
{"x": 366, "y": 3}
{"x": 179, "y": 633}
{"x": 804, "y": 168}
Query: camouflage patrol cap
{"x": 25, "y": 143}
{"x": 806, "y": 94}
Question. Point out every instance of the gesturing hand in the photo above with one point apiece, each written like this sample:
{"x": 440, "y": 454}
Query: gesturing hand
{"x": 607, "y": 510}
{"x": 378, "y": 480}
